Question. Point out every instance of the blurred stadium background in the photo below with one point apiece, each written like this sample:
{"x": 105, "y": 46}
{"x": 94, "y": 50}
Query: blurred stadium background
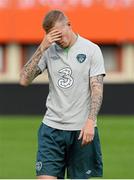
{"x": 110, "y": 24}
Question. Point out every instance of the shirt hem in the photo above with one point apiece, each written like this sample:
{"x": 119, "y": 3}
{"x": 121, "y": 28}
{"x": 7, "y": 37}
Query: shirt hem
{"x": 62, "y": 126}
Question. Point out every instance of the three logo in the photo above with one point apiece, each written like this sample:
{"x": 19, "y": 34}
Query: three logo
{"x": 66, "y": 79}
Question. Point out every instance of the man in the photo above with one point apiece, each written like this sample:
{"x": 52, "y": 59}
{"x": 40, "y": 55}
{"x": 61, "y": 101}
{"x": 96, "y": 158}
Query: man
{"x": 68, "y": 136}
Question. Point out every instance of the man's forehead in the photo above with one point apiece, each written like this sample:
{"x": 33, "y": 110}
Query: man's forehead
{"x": 60, "y": 24}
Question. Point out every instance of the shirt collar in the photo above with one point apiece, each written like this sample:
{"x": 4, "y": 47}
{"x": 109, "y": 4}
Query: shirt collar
{"x": 59, "y": 49}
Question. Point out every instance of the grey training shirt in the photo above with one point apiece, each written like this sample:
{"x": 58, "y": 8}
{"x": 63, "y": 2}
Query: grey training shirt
{"x": 68, "y": 101}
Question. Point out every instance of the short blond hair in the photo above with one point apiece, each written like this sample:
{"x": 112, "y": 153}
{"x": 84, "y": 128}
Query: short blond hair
{"x": 51, "y": 18}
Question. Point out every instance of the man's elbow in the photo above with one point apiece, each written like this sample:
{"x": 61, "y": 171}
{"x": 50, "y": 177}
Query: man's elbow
{"x": 23, "y": 81}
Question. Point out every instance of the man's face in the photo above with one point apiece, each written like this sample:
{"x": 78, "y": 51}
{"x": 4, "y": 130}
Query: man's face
{"x": 65, "y": 28}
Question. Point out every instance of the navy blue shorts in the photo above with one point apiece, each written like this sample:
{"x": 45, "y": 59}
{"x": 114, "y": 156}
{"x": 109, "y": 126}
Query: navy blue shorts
{"x": 60, "y": 151}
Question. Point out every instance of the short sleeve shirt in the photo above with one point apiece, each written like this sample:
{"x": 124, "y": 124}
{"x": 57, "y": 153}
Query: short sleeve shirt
{"x": 68, "y": 101}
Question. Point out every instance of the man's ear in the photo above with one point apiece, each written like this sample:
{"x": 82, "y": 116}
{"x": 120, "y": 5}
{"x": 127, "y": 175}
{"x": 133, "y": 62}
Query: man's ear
{"x": 69, "y": 24}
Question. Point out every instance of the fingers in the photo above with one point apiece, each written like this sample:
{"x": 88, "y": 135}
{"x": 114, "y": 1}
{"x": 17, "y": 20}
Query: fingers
{"x": 54, "y": 36}
{"x": 86, "y": 137}
{"x": 87, "y": 132}
{"x": 54, "y": 39}
{"x": 54, "y": 29}
{"x": 55, "y": 32}
{"x": 80, "y": 135}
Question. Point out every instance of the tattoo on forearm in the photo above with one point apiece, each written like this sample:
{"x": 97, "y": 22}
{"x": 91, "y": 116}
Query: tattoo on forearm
{"x": 96, "y": 85}
{"x": 31, "y": 69}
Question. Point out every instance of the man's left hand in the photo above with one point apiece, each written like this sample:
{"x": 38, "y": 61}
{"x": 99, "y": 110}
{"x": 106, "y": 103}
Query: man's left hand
{"x": 87, "y": 132}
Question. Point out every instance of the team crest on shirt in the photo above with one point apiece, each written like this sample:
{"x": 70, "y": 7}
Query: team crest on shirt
{"x": 38, "y": 165}
{"x": 81, "y": 58}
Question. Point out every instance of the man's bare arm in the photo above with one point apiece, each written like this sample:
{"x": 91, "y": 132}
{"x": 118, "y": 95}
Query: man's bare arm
{"x": 31, "y": 70}
{"x": 96, "y": 85}
{"x": 87, "y": 132}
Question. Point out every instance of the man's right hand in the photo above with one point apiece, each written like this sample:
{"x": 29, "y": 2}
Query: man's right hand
{"x": 53, "y": 36}
{"x": 31, "y": 70}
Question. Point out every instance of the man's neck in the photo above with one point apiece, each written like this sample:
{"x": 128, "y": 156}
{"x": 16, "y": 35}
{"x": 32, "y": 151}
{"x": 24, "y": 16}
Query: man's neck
{"x": 74, "y": 39}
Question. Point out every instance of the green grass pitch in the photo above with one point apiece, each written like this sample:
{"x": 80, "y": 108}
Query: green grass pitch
{"x": 18, "y": 144}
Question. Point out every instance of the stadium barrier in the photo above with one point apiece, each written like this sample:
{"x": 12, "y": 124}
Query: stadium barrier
{"x": 15, "y": 99}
